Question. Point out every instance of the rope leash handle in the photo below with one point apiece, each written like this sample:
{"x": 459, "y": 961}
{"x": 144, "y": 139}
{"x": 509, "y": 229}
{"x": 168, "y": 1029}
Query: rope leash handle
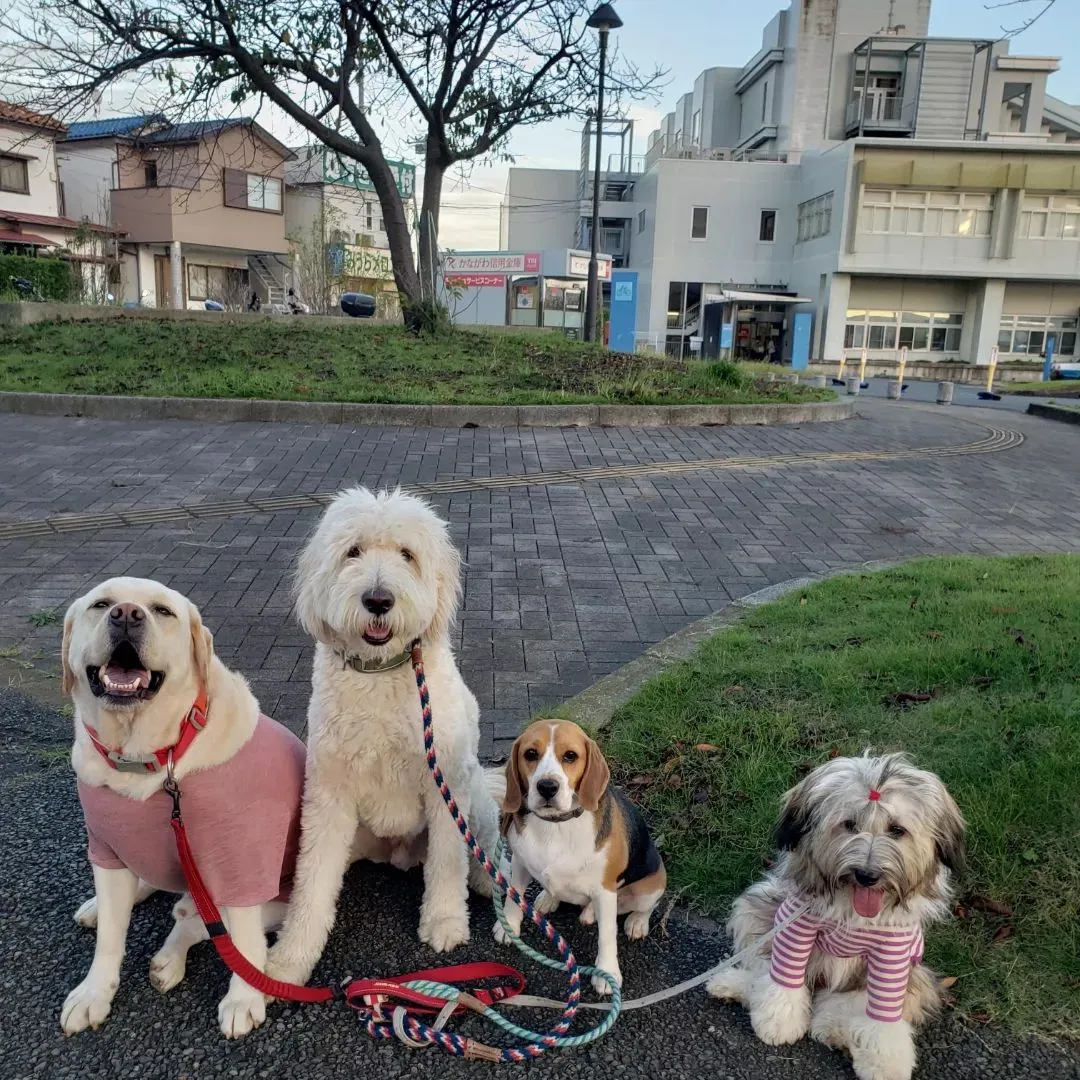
{"x": 556, "y": 1037}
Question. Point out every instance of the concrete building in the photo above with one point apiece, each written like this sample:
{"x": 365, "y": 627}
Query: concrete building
{"x": 200, "y": 206}
{"x": 334, "y": 224}
{"x": 908, "y": 191}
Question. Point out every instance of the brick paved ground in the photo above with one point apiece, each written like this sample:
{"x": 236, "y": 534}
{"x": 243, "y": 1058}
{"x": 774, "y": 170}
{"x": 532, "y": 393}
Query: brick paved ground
{"x": 564, "y": 582}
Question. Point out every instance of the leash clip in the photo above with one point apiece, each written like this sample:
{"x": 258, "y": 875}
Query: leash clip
{"x": 171, "y": 787}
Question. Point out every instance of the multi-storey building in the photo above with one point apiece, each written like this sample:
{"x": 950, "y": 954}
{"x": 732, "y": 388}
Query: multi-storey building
{"x": 907, "y": 190}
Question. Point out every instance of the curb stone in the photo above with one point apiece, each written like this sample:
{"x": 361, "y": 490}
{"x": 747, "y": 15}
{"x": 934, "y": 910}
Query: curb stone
{"x": 233, "y": 410}
{"x": 1053, "y": 412}
{"x": 595, "y": 706}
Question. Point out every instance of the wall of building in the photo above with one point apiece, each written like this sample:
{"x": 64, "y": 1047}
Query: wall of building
{"x": 86, "y": 171}
{"x": 735, "y": 193}
{"x": 543, "y": 208}
{"x": 39, "y": 151}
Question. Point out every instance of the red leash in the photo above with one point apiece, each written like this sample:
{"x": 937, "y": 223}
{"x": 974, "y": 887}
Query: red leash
{"x": 363, "y": 994}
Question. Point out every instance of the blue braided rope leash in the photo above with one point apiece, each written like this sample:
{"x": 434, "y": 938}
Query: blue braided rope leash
{"x": 539, "y": 1043}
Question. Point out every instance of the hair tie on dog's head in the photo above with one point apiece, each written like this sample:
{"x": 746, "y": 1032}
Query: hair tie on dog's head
{"x": 874, "y": 795}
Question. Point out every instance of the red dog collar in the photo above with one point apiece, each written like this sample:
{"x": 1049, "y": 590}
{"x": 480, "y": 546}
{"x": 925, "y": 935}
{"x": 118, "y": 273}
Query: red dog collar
{"x": 190, "y": 726}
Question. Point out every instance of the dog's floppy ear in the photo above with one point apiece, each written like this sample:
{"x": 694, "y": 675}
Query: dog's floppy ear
{"x": 515, "y": 783}
{"x": 68, "y": 683}
{"x": 594, "y": 780}
{"x": 202, "y": 646}
{"x": 950, "y": 840}
{"x": 794, "y": 821}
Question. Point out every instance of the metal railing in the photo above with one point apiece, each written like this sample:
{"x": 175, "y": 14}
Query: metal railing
{"x": 875, "y": 108}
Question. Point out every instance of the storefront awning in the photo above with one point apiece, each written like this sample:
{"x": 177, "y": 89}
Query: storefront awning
{"x": 742, "y": 297}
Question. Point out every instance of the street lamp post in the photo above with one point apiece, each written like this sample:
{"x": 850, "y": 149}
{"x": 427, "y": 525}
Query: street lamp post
{"x": 604, "y": 20}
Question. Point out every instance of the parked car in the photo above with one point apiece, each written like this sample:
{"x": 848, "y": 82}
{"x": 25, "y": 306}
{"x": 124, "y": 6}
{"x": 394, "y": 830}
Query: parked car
{"x": 357, "y": 304}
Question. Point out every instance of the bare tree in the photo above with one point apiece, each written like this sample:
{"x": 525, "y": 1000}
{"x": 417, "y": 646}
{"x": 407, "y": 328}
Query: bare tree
{"x": 459, "y": 76}
{"x": 317, "y": 278}
{"x": 1032, "y": 10}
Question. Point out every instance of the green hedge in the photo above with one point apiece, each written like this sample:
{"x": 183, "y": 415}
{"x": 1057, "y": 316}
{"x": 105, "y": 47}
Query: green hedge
{"x": 53, "y": 277}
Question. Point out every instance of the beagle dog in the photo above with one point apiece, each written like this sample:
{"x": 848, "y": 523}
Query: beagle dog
{"x": 581, "y": 838}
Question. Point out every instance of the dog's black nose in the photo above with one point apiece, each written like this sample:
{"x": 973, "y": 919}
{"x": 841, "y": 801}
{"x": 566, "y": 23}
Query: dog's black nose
{"x": 126, "y": 615}
{"x": 378, "y": 601}
{"x": 547, "y": 789}
{"x": 867, "y": 878}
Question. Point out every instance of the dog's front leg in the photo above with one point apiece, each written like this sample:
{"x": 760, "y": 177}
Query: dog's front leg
{"x": 520, "y": 878}
{"x": 89, "y": 1003}
{"x": 605, "y": 905}
{"x": 243, "y": 1008}
{"x": 444, "y": 913}
{"x": 329, "y": 822}
{"x": 880, "y": 1050}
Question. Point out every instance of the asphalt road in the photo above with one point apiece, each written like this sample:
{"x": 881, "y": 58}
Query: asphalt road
{"x": 43, "y": 954}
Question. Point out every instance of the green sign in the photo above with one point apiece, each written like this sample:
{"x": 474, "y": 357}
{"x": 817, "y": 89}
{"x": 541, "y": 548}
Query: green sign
{"x": 365, "y": 262}
{"x": 337, "y": 170}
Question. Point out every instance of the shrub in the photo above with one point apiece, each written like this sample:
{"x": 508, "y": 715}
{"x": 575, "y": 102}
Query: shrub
{"x": 52, "y": 278}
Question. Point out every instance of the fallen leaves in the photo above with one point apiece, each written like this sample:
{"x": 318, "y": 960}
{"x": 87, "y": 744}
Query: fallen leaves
{"x": 707, "y": 748}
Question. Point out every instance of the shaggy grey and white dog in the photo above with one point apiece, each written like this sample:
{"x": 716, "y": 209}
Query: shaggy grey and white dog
{"x": 867, "y": 846}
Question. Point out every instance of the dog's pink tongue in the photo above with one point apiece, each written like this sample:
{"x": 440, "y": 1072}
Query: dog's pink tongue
{"x": 127, "y": 682}
{"x": 868, "y": 902}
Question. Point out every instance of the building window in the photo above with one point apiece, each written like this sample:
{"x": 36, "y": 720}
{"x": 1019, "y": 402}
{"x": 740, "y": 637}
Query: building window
{"x": 695, "y": 130}
{"x": 699, "y": 223}
{"x": 1050, "y": 217}
{"x": 905, "y": 212}
{"x": 14, "y": 175}
{"x": 250, "y": 191}
{"x": 767, "y": 228}
{"x": 367, "y": 216}
{"x": 917, "y": 331}
{"x": 641, "y": 221}
{"x": 815, "y": 217}
{"x": 765, "y": 101}
{"x": 226, "y": 284}
{"x": 150, "y": 174}
{"x": 1026, "y": 335}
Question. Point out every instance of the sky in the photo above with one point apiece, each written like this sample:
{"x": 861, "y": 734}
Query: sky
{"x": 687, "y": 36}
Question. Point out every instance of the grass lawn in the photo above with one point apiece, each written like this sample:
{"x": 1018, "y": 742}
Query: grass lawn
{"x": 711, "y": 746}
{"x": 306, "y": 360}
{"x": 1056, "y": 388}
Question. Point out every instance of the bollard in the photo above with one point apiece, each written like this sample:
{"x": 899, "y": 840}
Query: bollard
{"x": 944, "y": 393}
{"x": 894, "y": 390}
{"x": 852, "y": 385}
{"x": 818, "y": 381}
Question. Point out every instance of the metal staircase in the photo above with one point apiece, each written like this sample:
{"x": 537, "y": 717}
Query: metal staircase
{"x": 266, "y": 272}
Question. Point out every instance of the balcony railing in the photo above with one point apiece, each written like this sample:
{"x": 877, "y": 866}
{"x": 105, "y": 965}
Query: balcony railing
{"x": 876, "y": 111}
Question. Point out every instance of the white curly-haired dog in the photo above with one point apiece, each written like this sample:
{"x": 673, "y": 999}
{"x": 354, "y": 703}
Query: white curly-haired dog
{"x": 867, "y": 846}
{"x": 379, "y": 573}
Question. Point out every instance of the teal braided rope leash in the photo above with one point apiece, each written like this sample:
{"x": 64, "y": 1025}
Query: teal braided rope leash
{"x": 539, "y": 1042}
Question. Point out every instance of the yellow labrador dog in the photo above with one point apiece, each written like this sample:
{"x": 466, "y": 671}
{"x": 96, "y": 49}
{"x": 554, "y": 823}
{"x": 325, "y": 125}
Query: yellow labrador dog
{"x": 149, "y": 693}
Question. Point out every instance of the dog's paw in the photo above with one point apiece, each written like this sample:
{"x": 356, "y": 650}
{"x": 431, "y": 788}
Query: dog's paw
{"x": 545, "y": 903}
{"x": 636, "y": 925}
{"x": 241, "y": 1013}
{"x": 781, "y": 1016}
{"x": 587, "y": 916}
{"x": 87, "y": 914}
{"x": 728, "y": 984}
{"x": 894, "y": 1061}
{"x": 167, "y": 968}
{"x": 444, "y": 932}
{"x": 87, "y": 1006}
{"x": 602, "y": 986}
